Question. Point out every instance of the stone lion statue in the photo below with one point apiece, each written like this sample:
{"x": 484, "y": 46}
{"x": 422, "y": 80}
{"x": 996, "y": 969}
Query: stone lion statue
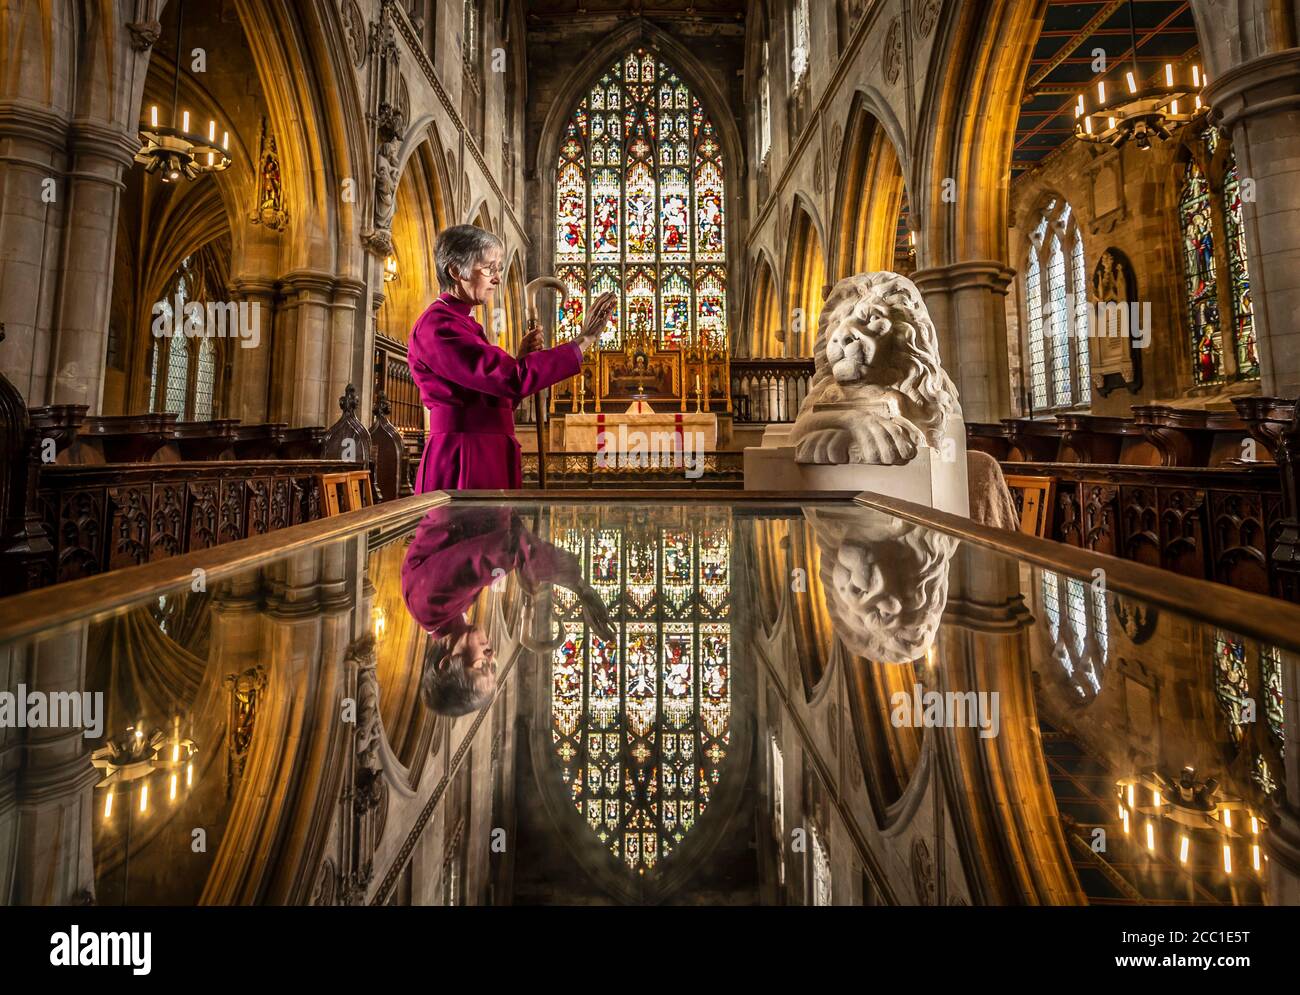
{"x": 878, "y": 391}
{"x": 885, "y": 581}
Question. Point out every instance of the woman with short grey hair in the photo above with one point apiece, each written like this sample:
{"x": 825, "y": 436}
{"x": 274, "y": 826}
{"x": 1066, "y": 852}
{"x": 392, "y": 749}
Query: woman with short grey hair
{"x": 471, "y": 386}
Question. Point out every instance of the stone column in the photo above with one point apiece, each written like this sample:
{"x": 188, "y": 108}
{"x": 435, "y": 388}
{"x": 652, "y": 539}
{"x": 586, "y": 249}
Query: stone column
{"x": 250, "y": 385}
{"x": 1259, "y": 102}
{"x": 303, "y": 351}
{"x": 967, "y": 302}
{"x": 351, "y": 345}
{"x": 93, "y": 188}
{"x": 33, "y": 141}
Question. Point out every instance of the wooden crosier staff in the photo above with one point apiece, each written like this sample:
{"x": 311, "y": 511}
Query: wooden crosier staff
{"x": 534, "y": 321}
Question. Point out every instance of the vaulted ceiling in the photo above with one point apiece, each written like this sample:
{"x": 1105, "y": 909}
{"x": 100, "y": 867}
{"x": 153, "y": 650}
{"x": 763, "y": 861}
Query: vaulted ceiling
{"x": 1062, "y": 63}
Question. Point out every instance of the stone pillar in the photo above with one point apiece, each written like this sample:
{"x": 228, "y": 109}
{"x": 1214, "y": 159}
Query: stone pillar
{"x": 32, "y": 152}
{"x": 250, "y": 385}
{"x": 93, "y": 188}
{"x": 1259, "y": 102}
{"x": 967, "y": 302}
{"x": 351, "y": 344}
{"x": 304, "y": 351}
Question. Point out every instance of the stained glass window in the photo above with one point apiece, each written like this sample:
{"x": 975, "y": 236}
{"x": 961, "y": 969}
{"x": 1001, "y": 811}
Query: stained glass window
{"x": 1197, "y": 225}
{"x": 1220, "y": 314}
{"x": 1242, "y": 316}
{"x": 1056, "y": 311}
{"x": 1034, "y": 306}
{"x": 641, "y": 725}
{"x": 1231, "y": 686}
{"x": 205, "y": 379}
{"x": 639, "y": 208}
{"x": 765, "y": 111}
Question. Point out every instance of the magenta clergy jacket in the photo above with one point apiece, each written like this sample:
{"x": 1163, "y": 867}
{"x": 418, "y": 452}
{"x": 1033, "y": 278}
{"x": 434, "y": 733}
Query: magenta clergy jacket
{"x": 471, "y": 389}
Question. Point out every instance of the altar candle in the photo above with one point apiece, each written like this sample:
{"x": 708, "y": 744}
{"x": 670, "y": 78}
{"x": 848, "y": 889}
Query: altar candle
{"x": 697, "y": 383}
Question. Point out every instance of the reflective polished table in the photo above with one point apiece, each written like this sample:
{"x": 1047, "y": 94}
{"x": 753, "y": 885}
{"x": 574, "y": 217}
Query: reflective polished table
{"x": 702, "y": 698}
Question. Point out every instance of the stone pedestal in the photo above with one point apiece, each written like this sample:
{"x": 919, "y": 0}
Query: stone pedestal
{"x": 931, "y": 479}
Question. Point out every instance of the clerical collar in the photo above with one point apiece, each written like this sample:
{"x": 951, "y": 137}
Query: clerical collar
{"x": 464, "y": 307}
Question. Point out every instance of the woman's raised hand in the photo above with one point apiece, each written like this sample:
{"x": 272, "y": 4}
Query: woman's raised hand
{"x": 601, "y": 310}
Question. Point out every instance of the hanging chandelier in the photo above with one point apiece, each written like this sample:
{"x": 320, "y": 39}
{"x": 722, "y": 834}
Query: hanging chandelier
{"x": 1138, "y": 111}
{"x": 173, "y": 150}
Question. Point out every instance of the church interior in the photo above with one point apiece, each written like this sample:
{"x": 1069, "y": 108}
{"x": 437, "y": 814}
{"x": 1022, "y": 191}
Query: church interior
{"x": 923, "y": 528}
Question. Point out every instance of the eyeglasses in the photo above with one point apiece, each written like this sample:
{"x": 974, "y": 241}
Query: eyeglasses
{"x": 491, "y": 269}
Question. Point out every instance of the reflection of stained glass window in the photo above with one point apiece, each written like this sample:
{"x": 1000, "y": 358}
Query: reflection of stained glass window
{"x": 1051, "y": 604}
{"x": 821, "y": 871}
{"x": 1080, "y": 640}
{"x": 641, "y": 726}
{"x": 1270, "y": 669}
{"x": 1231, "y": 686}
{"x": 1078, "y": 612}
{"x": 1100, "y": 621}
{"x": 639, "y": 208}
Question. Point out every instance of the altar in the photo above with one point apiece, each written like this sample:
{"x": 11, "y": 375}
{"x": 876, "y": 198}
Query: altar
{"x": 661, "y": 431}
{"x": 642, "y": 389}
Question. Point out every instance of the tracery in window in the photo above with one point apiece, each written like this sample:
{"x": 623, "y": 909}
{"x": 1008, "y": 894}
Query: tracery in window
{"x": 639, "y": 208}
{"x": 1081, "y": 637}
{"x": 1056, "y": 309}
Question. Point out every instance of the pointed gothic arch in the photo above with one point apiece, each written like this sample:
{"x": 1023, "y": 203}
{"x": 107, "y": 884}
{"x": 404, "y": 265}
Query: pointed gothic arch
{"x": 870, "y": 192}
{"x": 805, "y": 277}
{"x": 676, "y": 57}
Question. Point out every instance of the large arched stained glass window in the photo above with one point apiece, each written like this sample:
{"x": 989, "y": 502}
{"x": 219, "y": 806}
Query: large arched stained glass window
{"x": 639, "y": 208}
{"x": 1215, "y": 277}
{"x": 641, "y": 725}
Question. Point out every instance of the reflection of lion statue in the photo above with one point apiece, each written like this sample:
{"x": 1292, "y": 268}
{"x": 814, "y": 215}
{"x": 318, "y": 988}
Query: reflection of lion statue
{"x": 878, "y": 391}
{"x": 885, "y": 581}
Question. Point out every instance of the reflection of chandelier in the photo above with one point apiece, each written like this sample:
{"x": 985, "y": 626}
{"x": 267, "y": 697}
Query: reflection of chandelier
{"x": 390, "y": 269}
{"x": 1167, "y": 815}
{"x": 136, "y": 756}
{"x": 173, "y": 151}
{"x": 1138, "y": 110}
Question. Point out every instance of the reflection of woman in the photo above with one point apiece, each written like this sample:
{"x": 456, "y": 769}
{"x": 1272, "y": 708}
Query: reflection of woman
{"x": 469, "y": 385}
{"x": 455, "y": 554}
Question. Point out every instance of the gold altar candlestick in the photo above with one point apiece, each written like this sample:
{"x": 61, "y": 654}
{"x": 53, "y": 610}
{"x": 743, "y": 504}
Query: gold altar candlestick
{"x": 582, "y": 394}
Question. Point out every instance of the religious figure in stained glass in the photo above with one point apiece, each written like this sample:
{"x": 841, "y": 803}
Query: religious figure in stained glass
{"x": 1211, "y": 189}
{"x": 639, "y": 208}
